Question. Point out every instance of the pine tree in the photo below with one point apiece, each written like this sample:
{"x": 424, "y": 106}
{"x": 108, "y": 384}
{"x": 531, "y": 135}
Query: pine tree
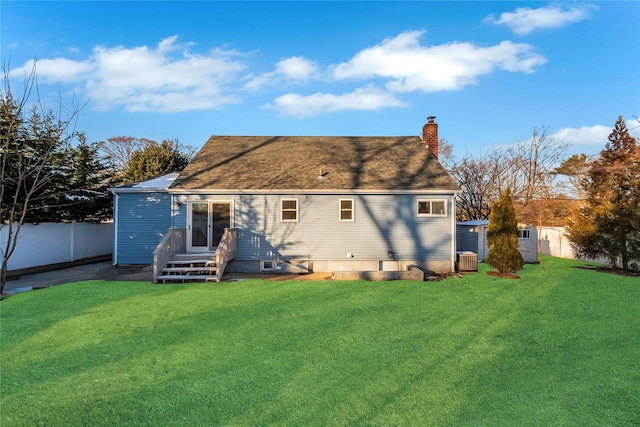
{"x": 87, "y": 181}
{"x": 502, "y": 236}
{"x": 609, "y": 225}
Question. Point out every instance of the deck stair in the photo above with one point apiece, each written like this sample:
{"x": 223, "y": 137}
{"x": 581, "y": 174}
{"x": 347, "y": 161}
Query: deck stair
{"x": 172, "y": 264}
{"x": 190, "y": 268}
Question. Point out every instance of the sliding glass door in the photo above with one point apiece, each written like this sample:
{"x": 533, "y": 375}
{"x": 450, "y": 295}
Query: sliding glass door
{"x": 206, "y": 222}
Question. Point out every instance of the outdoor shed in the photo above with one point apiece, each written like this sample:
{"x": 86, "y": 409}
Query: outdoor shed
{"x": 472, "y": 236}
{"x": 142, "y": 216}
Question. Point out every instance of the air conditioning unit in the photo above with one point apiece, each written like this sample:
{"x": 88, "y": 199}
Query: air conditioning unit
{"x": 467, "y": 261}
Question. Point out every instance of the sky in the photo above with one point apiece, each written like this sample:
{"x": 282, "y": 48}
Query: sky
{"x": 491, "y": 72}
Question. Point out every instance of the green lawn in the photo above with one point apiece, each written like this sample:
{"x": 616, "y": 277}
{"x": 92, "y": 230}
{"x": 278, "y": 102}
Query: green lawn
{"x": 561, "y": 346}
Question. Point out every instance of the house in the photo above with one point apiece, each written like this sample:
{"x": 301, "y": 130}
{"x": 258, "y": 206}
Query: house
{"x": 303, "y": 203}
{"x": 472, "y": 236}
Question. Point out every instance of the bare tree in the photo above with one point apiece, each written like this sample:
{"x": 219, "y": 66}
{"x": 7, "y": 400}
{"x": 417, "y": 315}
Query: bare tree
{"x": 29, "y": 138}
{"x": 117, "y": 150}
{"x": 476, "y": 198}
{"x": 527, "y": 168}
{"x": 534, "y": 162}
{"x": 121, "y": 152}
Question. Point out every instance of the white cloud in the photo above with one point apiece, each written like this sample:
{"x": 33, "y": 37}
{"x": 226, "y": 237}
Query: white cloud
{"x": 585, "y": 136}
{"x": 291, "y": 70}
{"x": 168, "y": 78}
{"x": 413, "y": 67}
{"x": 56, "y": 70}
{"x": 296, "y": 68}
{"x": 525, "y": 20}
{"x": 367, "y": 98}
{"x": 593, "y": 136}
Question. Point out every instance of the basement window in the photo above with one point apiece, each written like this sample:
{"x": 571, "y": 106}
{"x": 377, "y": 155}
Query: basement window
{"x": 524, "y": 233}
{"x": 346, "y": 210}
{"x": 289, "y": 210}
{"x": 432, "y": 208}
{"x": 269, "y": 266}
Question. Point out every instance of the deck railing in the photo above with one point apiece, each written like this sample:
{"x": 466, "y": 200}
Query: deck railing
{"x": 227, "y": 249}
{"x": 174, "y": 242}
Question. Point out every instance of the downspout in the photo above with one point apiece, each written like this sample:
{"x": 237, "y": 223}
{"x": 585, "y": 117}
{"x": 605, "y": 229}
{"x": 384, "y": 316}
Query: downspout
{"x": 114, "y": 258}
{"x": 453, "y": 234}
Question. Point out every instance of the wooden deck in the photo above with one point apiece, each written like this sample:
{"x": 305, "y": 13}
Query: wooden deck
{"x": 172, "y": 264}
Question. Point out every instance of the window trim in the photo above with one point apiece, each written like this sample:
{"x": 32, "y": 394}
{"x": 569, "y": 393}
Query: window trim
{"x": 352, "y": 210}
{"x": 274, "y": 265}
{"x": 296, "y": 210}
{"x": 431, "y": 201}
{"x": 522, "y": 232}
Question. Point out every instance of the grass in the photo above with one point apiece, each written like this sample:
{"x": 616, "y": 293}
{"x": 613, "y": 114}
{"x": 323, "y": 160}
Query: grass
{"x": 560, "y": 346}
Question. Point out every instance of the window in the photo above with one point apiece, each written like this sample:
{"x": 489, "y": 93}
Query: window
{"x": 432, "y": 208}
{"x": 346, "y": 210}
{"x": 269, "y": 266}
{"x": 289, "y": 210}
{"x": 523, "y": 233}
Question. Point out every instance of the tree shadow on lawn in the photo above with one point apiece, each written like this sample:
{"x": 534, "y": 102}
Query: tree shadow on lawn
{"x": 610, "y": 270}
{"x": 567, "y": 361}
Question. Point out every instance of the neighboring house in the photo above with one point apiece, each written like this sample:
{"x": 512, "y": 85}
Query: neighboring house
{"x": 141, "y": 216}
{"x": 472, "y": 236}
{"x": 320, "y": 204}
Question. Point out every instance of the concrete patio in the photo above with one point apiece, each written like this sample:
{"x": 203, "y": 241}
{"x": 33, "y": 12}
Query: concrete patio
{"x": 103, "y": 270}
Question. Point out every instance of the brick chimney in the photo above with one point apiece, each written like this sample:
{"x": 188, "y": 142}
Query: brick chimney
{"x": 430, "y": 135}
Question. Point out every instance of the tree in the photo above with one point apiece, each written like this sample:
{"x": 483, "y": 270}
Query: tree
{"x": 117, "y": 151}
{"x": 445, "y": 154}
{"x": 31, "y": 142}
{"x": 88, "y": 179}
{"x": 477, "y": 185}
{"x": 534, "y": 161}
{"x": 502, "y": 236}
{"x": 609, "y": 225}
{"x": 526, "y": 168}
{"x": 575, "y": 169}
{"x": 155, "y": 160}
{"x": 145, "y": 156}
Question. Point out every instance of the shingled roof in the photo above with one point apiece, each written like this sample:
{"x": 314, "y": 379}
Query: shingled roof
{"x": 262, "y": 163}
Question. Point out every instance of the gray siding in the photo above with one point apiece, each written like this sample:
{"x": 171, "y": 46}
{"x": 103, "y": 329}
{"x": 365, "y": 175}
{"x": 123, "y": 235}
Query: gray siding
{"x": 142, "y": 221}
{"x": 382, "y": 223}
{"x": 529, "y": 247}
{"x": 466, "y": 238}
{"x": 474, "y": 238}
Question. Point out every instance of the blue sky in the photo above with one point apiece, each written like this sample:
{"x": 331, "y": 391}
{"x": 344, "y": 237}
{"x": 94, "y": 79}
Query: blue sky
{"x": 489, "y": 71}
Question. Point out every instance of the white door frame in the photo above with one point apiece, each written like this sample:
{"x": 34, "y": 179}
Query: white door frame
{"x": 207, "y": 248}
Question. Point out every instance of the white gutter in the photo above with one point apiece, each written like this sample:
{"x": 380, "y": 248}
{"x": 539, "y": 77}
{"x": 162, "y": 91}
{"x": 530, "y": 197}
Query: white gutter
{"x": 137, "y": 189}
{"x": 308, "y": 191}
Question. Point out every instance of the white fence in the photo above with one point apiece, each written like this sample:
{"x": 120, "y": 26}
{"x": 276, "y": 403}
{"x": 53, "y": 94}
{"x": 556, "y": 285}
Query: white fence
{"x": 554, "y": 241}
{"x": 53, "y": 243}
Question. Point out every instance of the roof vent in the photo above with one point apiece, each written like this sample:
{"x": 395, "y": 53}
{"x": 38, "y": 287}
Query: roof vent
{"x": 322, "y": 174}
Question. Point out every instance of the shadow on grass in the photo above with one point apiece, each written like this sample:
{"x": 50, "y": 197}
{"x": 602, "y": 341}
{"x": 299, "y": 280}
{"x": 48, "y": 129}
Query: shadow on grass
{"x": 459, "y": 351}
{"x": 570, "y": 359}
